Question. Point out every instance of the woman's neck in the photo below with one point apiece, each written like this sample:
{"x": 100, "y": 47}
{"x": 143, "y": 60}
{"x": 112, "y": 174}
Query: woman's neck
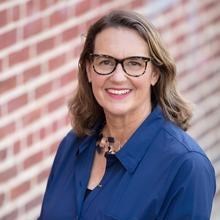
{"x": 121, "y": 128}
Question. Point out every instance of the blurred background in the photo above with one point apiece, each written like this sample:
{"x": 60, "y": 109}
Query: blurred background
{"x": 40, "y": 42}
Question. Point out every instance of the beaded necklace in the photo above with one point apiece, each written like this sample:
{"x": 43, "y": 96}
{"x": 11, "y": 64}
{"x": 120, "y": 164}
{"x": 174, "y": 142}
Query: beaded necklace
{"x": 107, "y": 145}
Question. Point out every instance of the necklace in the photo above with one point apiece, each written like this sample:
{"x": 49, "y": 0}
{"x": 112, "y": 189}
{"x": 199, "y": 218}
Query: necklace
{"x": 107, "y": 145}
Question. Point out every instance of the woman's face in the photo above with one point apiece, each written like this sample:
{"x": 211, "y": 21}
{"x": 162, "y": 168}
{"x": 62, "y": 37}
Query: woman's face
{"x": 120, "y": 94}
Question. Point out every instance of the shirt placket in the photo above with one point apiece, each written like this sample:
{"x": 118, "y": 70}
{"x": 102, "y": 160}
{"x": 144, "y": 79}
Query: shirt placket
{"x": 110, "y": 161}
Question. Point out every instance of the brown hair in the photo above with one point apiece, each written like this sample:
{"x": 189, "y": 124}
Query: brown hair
{"x": 84, "y": 110}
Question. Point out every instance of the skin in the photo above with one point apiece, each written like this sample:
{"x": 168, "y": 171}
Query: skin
{"x": 123, "y": 112}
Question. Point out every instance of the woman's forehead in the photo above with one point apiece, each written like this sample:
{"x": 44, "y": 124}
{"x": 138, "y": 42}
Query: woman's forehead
{"x": 120, "y": 41}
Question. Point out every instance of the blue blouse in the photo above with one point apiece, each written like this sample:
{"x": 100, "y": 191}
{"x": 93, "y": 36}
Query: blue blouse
{"x": 160, "y": 173}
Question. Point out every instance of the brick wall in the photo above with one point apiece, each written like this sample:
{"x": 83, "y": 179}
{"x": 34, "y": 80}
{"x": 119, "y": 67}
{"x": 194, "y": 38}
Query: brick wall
{"x": 40, "y": 41}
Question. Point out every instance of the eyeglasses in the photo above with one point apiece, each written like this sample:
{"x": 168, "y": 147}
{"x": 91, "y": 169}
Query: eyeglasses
{"x": 133, "y": 66}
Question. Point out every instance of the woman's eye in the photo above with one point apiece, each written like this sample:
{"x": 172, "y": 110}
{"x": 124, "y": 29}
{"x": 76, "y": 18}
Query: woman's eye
{"x": 134, "y": 63}
{"x": 106, "y": 62}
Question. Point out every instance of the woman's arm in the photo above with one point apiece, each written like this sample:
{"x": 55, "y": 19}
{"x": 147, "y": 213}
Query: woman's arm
{"x": 191, "y": 194}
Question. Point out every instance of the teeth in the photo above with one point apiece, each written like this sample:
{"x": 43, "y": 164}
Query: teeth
{"x": 119, "y": 92}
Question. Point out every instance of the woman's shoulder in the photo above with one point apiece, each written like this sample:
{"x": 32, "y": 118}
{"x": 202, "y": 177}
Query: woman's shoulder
{"x": 187, "y": 154}
{"x": 68, "y": 145}
{"x": 68, "y": 140}
{"x": 182, "y": 139}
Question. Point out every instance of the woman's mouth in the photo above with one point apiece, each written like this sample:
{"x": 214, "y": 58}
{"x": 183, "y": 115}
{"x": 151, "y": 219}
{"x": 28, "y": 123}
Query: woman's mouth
{"x": 118, "y": 93}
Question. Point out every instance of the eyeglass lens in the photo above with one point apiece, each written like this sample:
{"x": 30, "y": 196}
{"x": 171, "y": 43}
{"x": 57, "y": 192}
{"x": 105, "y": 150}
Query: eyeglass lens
{"x": 133, "y": 66}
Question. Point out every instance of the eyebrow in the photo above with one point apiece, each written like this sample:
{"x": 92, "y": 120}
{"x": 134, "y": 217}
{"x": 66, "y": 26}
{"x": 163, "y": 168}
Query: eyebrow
{"x": 108, "y": 56}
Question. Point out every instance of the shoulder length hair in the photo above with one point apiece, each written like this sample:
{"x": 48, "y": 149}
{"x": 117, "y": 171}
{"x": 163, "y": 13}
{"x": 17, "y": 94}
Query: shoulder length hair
{"x": 84, "y": 110}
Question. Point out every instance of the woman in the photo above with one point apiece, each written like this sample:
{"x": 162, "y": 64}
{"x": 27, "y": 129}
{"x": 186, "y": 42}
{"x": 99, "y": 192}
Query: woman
{"x": 128, "y": 156}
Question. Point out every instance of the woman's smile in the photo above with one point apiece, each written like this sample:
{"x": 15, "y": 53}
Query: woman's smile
{"x": 117, "y": 93}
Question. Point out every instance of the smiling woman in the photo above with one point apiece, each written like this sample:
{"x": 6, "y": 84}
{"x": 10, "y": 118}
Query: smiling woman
{"x": 128, "y": 156}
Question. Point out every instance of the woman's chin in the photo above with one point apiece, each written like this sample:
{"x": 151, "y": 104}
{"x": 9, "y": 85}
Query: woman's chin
{"x": 117, "y": 112}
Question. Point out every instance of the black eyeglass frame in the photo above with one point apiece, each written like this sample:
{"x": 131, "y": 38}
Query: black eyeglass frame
{"x": 121, "y": 61}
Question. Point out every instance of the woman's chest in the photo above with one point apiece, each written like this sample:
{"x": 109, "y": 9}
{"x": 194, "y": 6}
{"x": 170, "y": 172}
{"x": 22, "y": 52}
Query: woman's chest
{"x": 122, "y": 195}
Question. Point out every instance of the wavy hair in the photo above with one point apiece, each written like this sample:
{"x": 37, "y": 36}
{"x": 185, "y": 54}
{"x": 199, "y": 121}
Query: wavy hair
{"x": 84, "y": 110}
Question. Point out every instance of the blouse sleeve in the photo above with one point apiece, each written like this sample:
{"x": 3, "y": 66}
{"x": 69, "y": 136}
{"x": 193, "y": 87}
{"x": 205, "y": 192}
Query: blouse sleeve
{"x": 65, "y": 148}
{"x": 192, "y": 190}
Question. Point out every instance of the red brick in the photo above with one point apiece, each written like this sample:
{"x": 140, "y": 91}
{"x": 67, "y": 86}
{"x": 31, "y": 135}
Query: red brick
{"x": 33, "y": 203}
{"x": 58, "y": 123}
{"x": 3, "y": 16}
{"x": 71, "y": 55}
{"x": 3, "y": 155}
{"x": 78, "y": 50}
{"x": 53, "y": 148}
{"x": 208, "y": 6}
{"x": 15, "y": 13}
{"x": 11, "y": 215}
{"x": 8, "y": 39}
{"x": 45, "y": 45}
{"x": 31, "y": 117}
{"x": 55, "y": 126}
{"x": 17, "y": 103}
{"x": 31, "y": 73}
{"x": 56, "y": 62}
{"x": 91, "y": 21}
{"x": 43, "y": 175}
{"x": 7, "y": 84}
{"x": 138, "y": 3}
{"x": 30, "y": 140}
{"x": 33, "y": 159}
{"x": 82, "y": 7}
{"x": 2, "y": 198}
{"x": 31, "y": 7}
{"x": 70, "y": 34}
{"x": 180, "y": 38}
{"x": 7, "y": 129}
{"x": 43, "y": 133}
{"x": 43, "y": 4}
{"x": 104, "y": 1}
{"x": 71, "y": 11}
{"x": 20, "y": 189}
{"x": 54, "y": 1}
{"x": 8, "y": 173}
{"x": 1, "y": 63}
{"x": 67, "y": 78}
{"x": 215, "y": 20}
{"x": 53, "y": 105}
{"x": 19, "y": 56}
{"x": 58, "y": 17}
{"x": 33, "y": 28}
{"x": 17, "y": 147}
{"x": 176, "y": 22}
{"x": 43, "y": 89}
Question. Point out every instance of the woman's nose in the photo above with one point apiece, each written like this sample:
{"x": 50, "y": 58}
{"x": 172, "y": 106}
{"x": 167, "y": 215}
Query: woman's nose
{"x": 119, "y": 74}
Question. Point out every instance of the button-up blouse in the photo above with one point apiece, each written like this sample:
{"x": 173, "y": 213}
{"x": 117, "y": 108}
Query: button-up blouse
{"x": 160, "y": 174}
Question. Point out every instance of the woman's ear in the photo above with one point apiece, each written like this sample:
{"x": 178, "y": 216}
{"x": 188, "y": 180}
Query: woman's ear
{"x": 88, "y": 71}
{"x": 155, "y": 77}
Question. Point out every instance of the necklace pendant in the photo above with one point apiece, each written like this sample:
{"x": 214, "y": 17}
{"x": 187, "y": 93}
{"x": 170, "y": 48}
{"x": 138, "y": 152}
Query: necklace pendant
{"x": 107, "y": 145}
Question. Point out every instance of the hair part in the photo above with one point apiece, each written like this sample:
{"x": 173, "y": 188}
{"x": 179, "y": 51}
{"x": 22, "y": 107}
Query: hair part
{"x": 84, "y": 110}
